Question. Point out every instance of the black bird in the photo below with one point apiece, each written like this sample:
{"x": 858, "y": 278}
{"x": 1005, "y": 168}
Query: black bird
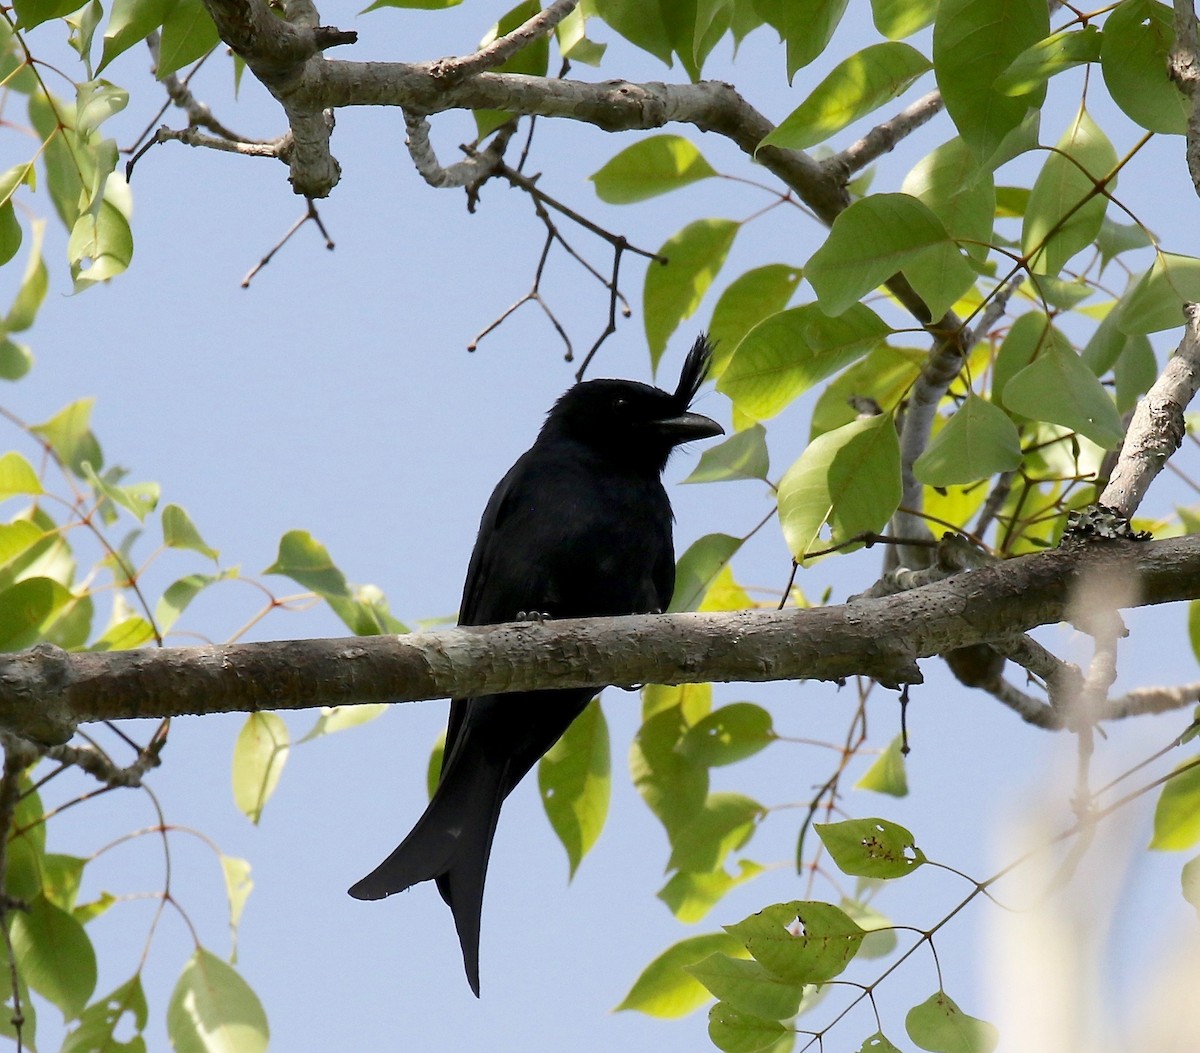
{"x": 579, "y": 527}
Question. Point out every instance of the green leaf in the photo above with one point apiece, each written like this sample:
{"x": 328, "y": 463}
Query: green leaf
{"x": 1193, "y": 627}
{"x": 938, "y": 1024}
{"x": 1177, "y": 813}
{"x": 856, "y": 86}
{"x": 691, "y": 703}
{"x": 887, "y": 774}
{"x": 673, "y": 787}
{"x": 742, "y": 456}
{"x": 17, "y": 538}
{"x": 1115, "y": 238}
{"x": 27, "y": 609}
{"x": 729, "y": 734}
{"x": 139, "y": 500}
{"x": 258, "y": 759}
{"x": 698, "y": 567}
{"x": 54, "y": 955}
{"x": 877, "y": 1043}
{"x": 880, "y": 940}
{"x": 651, "y": 167}
{"x": 32, "y": 13}
{"x": 10, "y": 232}
{"x": 575, "y": 781}
{"x": 641, "y": 22}
{"x": 736, "y": 1032}
{"x": 979, "y": 440}
{"x": 673, "y": 291}
{"x": 306, "y": 561}
{"x": 723, "y": 825}
{"x": 70, "y": 436}
{"x": 847, "y": 480}
{"x": 95, "y": 102}
{"x": 179, "y": 594}
{"x": 1030, "y": 336}
{"x": 433, "y": 770}
{"x": 880, "y": 380}
{"x": 1065, "y": 209}
{"x": 974, "y": 42}
{"x": 101, "y": 245}
{"x": 897, "y": 19}
{"x": 960, "y": 193}
{"x": 341, "y": 718}
{"x": 1190, "y": 880}
{"x": 1156, "y": 300}
{"x": 188, "y": 33}
{"x": 747, "y": 300}
{"x": 665, "y": 989}
{"x": 573, "y": 43}
{"x": 32, "y": 292}
{"x": 826, "y": 941}
{"x": 180, "y": 532}
{"x": 806, "y": 26}
{"x": 1138, "y": 38}
{"x": 747, "y": 987}
{"x": 789, "y": 352}
{"x": 1060, "y": 51}
{"x": 125, "y": 635}
{"x": 1058, "y": 387}
{"x": 873, "y": 848}
{"x": 238, "y": 886}
{"x": 533, "y": 59}
{"x": 213, "y": 1010}
{"x": 15, "y": 360}
{"x": 17, "y": 476}
{"x": 690, "y": 896}
{"x": 121, "y": 1011}
{"x": 129, "y": 23}
{"x": 877, "y": 237}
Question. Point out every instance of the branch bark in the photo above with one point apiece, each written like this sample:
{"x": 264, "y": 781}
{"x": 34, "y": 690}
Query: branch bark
{"x": 45, "y": 692}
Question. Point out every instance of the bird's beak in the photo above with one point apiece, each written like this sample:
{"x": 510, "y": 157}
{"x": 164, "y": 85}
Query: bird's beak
{"x": 686, "y": 427}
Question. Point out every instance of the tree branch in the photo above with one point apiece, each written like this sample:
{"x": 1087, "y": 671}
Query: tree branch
{"x": 46, "y": 691}
{"x": 1157, "y": 428}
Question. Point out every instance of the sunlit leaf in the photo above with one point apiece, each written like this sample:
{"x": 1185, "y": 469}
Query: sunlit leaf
{"x": 723, "y": 825}
{"x": 258, "y": 759}
{"x": 575, "y": 782}
{"x": 856, "y": 86}
{"x": 742, "y": 456}
{"x": 749, "y": 298}
{"x": 805, "y": 26}
{"x": 729, "y": 734}
{"x": 1059, "y": 388}
{"x": 119, "y": 1012}
{"x": 697, "y": 568}
{"x": 690, "y": 896}
{"x": 651, "y": 167}
{"x": 666, "y": 989}
{"x": 1155, "y": 302}
{"x": 213, "y": 1010}
{"x": 1060, "y": 51}
{"x": 673, "y": 290}
{"x": 188, "y": 33}
{"x": 887, "y": 774}
{"x": 1177, "y": 813}
{"x": 748, "y": 987}
{"x": 787, "y": 353}
{"x": 847, "y": 480}
{"x": 180, "y": 532}
{"x": 897, "y": 19}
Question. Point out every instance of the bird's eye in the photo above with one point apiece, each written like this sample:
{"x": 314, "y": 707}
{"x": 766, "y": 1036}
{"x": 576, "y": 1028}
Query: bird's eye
{"x": 619, "y": 404}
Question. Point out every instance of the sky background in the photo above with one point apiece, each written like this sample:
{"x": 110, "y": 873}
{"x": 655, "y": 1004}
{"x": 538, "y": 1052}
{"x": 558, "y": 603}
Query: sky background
{"x": 336, "y": 395}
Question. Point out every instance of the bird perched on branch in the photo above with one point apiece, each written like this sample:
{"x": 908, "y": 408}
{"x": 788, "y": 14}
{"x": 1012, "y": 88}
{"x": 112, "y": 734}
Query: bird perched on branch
{"x": 579, "y": 527}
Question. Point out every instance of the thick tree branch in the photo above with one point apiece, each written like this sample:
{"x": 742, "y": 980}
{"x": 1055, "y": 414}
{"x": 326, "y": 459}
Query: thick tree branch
{"x": 46, "y": 691}
{"x": 1157, "y": 428}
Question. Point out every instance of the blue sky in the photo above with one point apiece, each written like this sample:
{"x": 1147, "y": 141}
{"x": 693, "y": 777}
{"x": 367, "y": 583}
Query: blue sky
{"x": 336, "y": 395}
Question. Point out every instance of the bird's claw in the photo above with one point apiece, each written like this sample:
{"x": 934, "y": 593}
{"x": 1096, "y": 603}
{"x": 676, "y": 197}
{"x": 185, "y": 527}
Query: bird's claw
{"x": 532, "y": 616}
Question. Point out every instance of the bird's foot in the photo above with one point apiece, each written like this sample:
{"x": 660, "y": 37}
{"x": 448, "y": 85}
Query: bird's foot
{"x": 533, "y": 616}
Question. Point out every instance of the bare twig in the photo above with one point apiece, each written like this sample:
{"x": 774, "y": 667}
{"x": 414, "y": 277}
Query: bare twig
{"x": 503, "y": 48}
{"x": 310, "y": 214}
{"x": 884, "y": 137}
{"x": 1184, "y": 67}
